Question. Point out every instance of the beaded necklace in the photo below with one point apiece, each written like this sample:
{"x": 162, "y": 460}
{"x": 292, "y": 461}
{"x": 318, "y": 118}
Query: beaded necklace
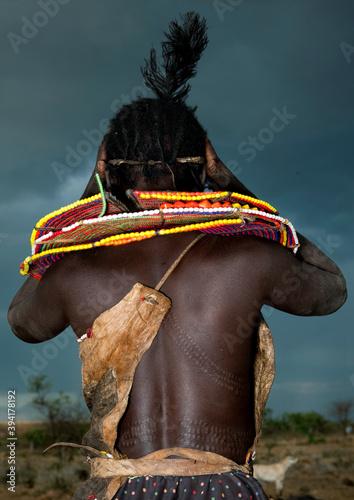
{"x": 95, "y": 222}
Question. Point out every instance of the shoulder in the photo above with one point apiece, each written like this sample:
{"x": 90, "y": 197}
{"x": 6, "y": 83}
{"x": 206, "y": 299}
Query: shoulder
{"x": 249, "y": 248}
{"x": 140, "y": 260}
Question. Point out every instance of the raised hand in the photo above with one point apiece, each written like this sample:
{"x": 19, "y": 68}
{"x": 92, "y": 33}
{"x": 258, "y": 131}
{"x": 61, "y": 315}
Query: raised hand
{"x": 219, "y": 176}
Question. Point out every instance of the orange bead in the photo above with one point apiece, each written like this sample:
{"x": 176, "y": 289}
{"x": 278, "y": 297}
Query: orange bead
{"x": 192, "y": 204}
{"x": 217, "y": 204}
{"x": 205, "y": 204}
{"x": 226, "y": 204}
{"x": 179, "y": 204}
{"x": 166, "y": 205}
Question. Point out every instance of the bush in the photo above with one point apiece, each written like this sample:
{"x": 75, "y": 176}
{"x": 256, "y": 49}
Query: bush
{"x": 310, "y": 424}
{"x": 64, "y": 419}
{"x": 36, "y": 437}
{"x": 26, "y": 474}
{"x": 62, "y": 477}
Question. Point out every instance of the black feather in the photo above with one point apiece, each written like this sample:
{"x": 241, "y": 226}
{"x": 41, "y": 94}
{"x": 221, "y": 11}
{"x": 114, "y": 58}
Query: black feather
{"x": 181, "y": 52}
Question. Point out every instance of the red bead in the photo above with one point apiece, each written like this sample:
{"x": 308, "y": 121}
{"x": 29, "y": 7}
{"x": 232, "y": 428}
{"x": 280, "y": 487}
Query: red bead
{"x": 166, "y": 205}
{"x": 89, "y": 333}
{"x": 179, "y": 204}
{"x": 192, "y": 204}
{"x": 205, "y": 204}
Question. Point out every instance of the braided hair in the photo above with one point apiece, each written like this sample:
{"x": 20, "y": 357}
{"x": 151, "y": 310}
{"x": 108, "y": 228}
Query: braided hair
{"x": 162, "y": 129}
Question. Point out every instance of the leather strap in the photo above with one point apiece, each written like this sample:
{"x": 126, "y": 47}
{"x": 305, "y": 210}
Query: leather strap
{"x": 177, "y": 261}
{"x": 194, "y": 462}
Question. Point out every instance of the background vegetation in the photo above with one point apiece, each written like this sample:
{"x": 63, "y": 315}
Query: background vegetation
{"x": 324, "y": 446}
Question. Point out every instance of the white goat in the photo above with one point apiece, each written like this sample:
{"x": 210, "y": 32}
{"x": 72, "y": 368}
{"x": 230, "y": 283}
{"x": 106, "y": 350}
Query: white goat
{"x": 274, "y": 472}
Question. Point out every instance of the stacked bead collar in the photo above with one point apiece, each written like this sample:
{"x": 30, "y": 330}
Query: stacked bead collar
{"x": 82, "y": 226}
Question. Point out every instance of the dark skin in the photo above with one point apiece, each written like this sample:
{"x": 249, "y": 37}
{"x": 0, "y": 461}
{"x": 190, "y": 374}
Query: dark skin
{"x": 193, "y": 387}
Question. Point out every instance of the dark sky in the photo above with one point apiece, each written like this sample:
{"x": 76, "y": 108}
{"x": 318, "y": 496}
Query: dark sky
{"x": 275, "y": 92}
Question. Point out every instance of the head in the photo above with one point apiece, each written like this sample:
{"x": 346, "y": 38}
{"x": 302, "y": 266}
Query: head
{"x": 291, "y": 460}
{"x": 155, "y": 130}
{"x": 159, "y": 137}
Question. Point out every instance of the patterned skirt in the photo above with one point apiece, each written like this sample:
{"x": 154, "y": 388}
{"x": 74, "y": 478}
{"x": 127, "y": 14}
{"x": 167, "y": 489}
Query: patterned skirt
{"x": 234, "y": 484}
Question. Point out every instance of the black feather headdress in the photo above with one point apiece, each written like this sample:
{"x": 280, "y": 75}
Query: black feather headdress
{"x": 182, "y": 49}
